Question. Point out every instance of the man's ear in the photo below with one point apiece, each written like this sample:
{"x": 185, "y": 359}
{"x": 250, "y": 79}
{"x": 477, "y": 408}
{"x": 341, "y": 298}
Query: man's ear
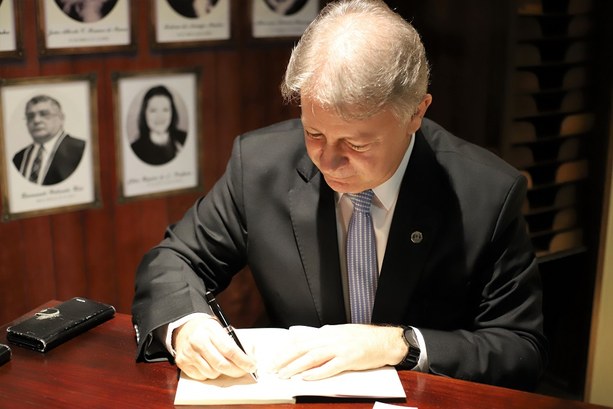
{"x": 419, "y": 114}
{"x": 423, "y": 106}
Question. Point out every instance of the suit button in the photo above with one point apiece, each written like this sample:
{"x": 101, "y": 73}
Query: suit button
{"x": 417, "y": 237}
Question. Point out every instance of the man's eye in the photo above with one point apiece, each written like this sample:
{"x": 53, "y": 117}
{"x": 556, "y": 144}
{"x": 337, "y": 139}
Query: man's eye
{"x": 313, "y": 135}
{"x": 358, "y": 148}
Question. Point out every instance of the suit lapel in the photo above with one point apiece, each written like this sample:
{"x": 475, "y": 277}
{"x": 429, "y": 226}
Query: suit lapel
{"x": 313, "y": 217}
{"x": 415, "y": 223}
{"x": 57, "y": 159}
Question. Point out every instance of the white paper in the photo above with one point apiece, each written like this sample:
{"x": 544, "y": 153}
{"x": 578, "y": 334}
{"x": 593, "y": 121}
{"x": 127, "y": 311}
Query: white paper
{"x": 263, "y": 342}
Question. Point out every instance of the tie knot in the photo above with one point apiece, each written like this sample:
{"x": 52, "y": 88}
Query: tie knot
{"x": 362, "y": 201}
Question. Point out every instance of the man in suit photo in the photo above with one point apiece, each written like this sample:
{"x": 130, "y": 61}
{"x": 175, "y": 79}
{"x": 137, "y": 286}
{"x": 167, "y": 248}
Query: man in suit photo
{"x": 401, "y": 243}
{"x": 53, "y": 154}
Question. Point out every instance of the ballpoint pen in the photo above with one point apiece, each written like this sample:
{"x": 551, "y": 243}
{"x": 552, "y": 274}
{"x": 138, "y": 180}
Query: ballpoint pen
{"x": 210, "y": 299}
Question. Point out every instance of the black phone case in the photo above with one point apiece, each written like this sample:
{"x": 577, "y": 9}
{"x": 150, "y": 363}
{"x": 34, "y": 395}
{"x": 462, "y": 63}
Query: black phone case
{"x": 52, "y": 326}
{"x": 5, "y": 354}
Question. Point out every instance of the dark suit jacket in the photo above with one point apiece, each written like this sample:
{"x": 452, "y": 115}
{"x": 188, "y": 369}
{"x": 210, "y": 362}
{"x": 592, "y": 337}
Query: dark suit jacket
{"x": 471, "y": 285}
{"x": 65, "y": 160}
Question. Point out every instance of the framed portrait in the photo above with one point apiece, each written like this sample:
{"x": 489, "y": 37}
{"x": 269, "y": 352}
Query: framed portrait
{"x": 181, "y": 24}
{"x": 282, "y": 18}
{"x": 10, "y": 40}
{"x": 84, "y": 26}
{"x": 157, "y": 130}
{"x": 49, "y": 145}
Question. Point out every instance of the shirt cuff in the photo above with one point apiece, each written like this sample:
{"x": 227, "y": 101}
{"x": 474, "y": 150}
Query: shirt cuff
{"x": 422, "y": 364}
{"x": 176, "y": 324}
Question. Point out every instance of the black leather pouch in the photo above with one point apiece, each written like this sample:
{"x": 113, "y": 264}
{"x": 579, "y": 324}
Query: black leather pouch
{"x": 52, "y": 326}
{"x": 5, "y": 354}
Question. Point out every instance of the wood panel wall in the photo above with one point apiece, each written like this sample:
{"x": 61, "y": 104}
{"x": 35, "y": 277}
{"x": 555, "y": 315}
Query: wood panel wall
{"x": 94, "y": 253}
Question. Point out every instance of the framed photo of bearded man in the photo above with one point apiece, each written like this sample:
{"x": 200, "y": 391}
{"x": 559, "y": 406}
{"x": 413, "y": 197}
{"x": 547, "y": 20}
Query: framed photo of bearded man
{"x": 48, "y": 145}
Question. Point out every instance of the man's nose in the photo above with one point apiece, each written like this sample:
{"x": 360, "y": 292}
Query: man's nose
{"x": 331, "y": 157}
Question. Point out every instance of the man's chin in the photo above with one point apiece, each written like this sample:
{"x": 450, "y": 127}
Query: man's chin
{"x": 342, "y": 185}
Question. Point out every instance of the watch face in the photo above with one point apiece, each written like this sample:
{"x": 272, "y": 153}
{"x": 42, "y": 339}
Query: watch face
{"x": 409, "y": 336}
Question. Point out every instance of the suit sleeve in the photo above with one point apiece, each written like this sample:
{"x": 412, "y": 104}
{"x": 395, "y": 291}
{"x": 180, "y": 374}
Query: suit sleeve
{"x": 505, "y": 344}
{"x": 202, "y": 251}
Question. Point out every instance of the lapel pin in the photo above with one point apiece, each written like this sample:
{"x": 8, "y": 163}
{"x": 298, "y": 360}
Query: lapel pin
{"x": 417, "y": 237}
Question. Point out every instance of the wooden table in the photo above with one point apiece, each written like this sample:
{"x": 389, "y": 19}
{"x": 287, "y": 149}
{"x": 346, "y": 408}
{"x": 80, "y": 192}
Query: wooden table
{"x": 97, "y": 369}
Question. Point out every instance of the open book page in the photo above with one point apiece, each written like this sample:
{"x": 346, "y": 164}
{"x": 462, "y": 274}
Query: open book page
{"x": 264, "y": 343}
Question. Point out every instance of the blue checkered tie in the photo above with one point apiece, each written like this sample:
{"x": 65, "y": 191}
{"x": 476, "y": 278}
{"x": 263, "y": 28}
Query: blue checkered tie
{"x": 361, "y": 258}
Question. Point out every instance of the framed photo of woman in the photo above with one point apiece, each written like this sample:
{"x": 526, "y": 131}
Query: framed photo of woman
{"x": 10, "y": 39}
{"x": 157, "y": 131}
{"x": 193, "y": 23}
{"x": 84, "y": 26}
{"x": 49, "y": 145}
{"x": 282, "y": 18}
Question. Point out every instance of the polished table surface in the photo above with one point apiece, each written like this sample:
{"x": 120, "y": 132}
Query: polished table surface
{"x": 97, "y": 369}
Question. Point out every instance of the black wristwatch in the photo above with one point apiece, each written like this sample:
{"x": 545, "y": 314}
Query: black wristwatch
{"x": 412, "y": 357}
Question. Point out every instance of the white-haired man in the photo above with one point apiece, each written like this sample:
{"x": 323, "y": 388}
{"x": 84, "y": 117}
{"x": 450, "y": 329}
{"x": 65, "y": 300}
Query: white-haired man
{"x": 456, "y": 288}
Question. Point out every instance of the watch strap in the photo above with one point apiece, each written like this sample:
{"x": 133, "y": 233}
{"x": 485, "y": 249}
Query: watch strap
{"x": 411, "y": 359}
